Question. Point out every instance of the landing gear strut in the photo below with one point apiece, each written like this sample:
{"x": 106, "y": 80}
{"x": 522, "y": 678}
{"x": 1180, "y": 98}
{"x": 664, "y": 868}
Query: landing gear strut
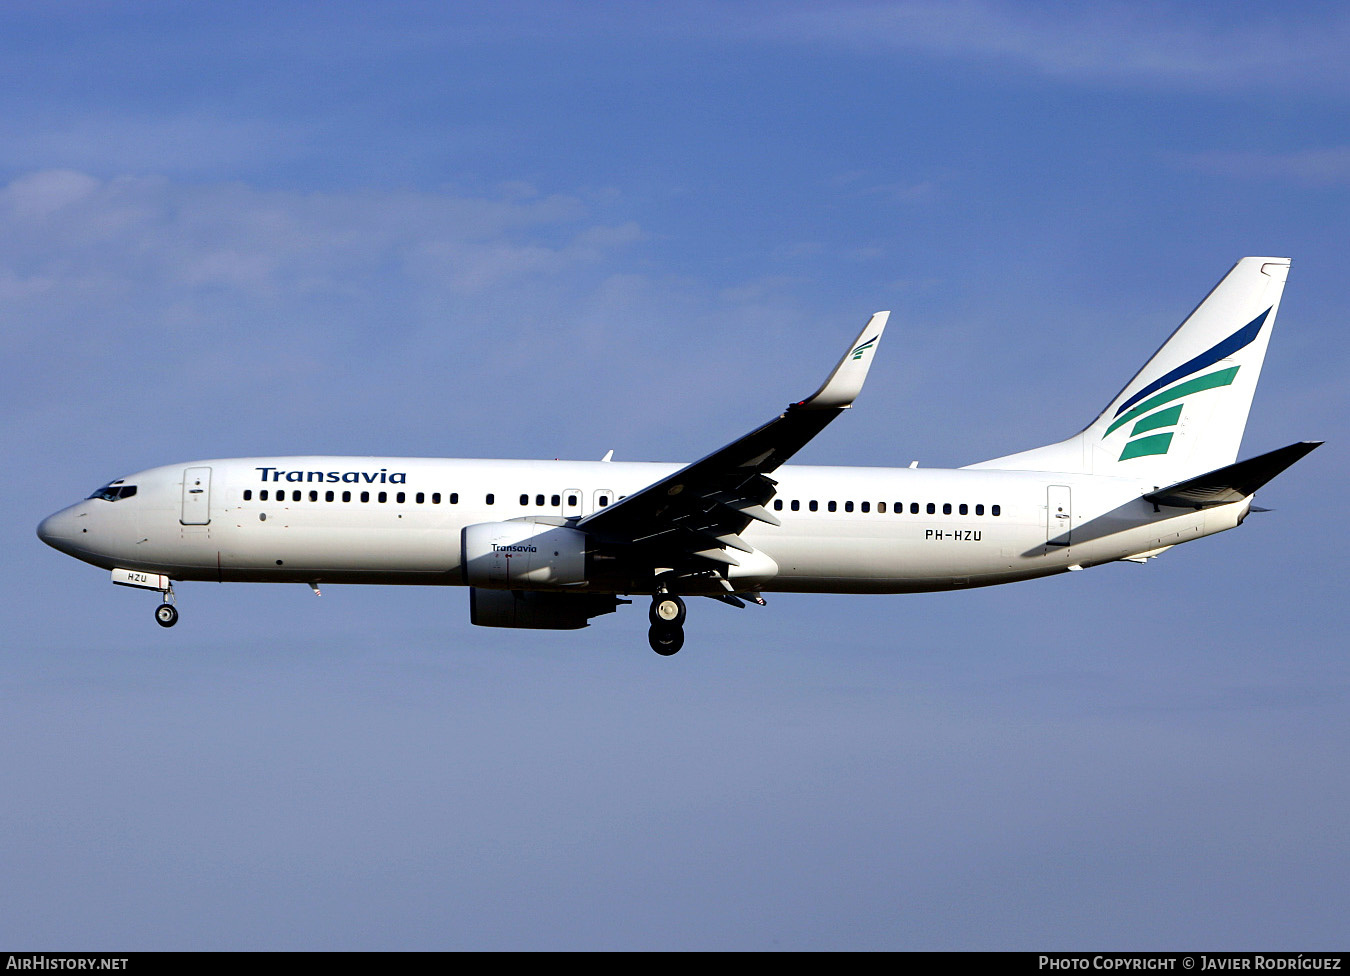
{"x": 166, "y": 614}
{"x": 666, "y": 635}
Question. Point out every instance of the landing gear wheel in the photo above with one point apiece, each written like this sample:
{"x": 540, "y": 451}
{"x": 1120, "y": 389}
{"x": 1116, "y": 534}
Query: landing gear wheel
{"x": 667, "y": 608}
{"x": 666, "y": 639}
{"x": 166, "y": 615}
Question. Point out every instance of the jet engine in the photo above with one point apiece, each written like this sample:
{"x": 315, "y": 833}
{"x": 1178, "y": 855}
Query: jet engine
{"x": 522, "y": 555}
{"x": 538, "y": 609}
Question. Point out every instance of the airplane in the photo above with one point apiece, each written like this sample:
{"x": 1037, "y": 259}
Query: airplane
{"x": 555, "y": 544}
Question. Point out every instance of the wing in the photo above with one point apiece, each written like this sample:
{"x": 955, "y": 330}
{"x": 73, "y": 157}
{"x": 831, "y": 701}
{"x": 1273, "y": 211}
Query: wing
{"x": 693, "y": 517}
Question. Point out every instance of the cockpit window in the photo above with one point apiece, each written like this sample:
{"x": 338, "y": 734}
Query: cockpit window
{"x": 114, "y": 492}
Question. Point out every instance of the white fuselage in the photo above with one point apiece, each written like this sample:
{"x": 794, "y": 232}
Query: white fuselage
{"x": 399, "y": 520}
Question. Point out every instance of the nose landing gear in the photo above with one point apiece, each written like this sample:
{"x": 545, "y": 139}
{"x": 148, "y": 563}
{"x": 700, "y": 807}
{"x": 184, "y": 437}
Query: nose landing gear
{"x": 667, "y": 614}
{"x": 166, "y": 614}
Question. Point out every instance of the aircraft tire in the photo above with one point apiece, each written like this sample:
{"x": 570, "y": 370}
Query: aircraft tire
{"x": 668, "y": 609}
{"x": 166, "y": 615}
{"x": 666, "y": 639}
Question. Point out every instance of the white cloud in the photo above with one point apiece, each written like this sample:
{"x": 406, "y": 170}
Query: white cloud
{"x": 303, "y": 322}
{"x": 38, "y": 195}
{"x": 66, "y": 228}
{"x": 224, "y": 294}
{"x": 1306, "y": 167}
{"x": 1148, "y": 44}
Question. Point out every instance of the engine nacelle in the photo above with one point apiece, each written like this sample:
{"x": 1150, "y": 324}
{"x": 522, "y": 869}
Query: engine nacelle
{"x": 536, "y": 609}
{"x": 522, "y": 556}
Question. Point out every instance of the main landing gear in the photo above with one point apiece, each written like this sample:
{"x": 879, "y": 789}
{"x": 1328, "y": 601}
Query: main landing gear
{"x": 667, "y": 618}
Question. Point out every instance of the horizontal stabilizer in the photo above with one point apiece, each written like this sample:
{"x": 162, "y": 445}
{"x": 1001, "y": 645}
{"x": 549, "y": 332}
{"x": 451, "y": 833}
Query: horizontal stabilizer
{"x": 1233, "y": 483}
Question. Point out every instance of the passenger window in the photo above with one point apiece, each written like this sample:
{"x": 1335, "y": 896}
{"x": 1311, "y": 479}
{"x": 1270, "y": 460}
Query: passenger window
{"x": 555, "y": 501}
{"x": 914, "y": 508}
{"x": 313, "y": 495}
{"x": 848, "y": 506}
{"x": 814, "y": 505}
{"x": 881, "y": 507}
{"x": 995, "y": 510}
{"x": 604, "y": 500}
{"x": 328, "y": 496}
{"x": 420, "y": 497}
{"x": 796, "y": 505}
{"x": 571, "y": 500}
{"x": 382, "y": 497}
{"x": 262, "y": 495}
{"x": 832, "y": 506}
{"x": 401, "y": 497}
{"x": 295, "y": 495}
{"x": 932, "y": 509}
{"x": 346, "y": 496}
{"x": 436, "y": 498}
{"x": 979, "y": 509}
{"x": 539, "y": 500}
{"x": 491, "y": 498}
{"x": 778, "y": 504}
{"x": 524, "y": 499}
{"x": 867, "y": 507}
{"x": 365, "y": 496}
{"x": 248, "y": 494}
{"x": 964, "y": 509}
{"x": 946, "y": 508}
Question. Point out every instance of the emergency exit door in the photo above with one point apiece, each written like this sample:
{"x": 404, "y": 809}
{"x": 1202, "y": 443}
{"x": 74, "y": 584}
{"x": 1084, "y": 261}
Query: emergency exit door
{"x": 196, "y": 496}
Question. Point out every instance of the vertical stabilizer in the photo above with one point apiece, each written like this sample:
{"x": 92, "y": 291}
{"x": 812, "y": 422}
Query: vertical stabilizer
{"x": 1185, "y": 411}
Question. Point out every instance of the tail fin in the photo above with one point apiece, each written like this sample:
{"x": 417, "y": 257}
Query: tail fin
{"x": 1183, "y": 413}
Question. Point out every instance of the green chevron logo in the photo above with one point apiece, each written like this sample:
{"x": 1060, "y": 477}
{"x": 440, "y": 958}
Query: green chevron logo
{"x": 1149, "y": 418}
{"x": 859, "y": 350}
{"x": 1152, "y": 399}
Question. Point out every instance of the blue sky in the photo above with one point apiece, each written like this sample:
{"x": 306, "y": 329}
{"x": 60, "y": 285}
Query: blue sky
{"x": 552, "y": 230}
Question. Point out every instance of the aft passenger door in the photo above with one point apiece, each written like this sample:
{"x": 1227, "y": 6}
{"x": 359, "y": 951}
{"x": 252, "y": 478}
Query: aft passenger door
{"x": 196, "y": 496}
{"x": 1058, "y": 515}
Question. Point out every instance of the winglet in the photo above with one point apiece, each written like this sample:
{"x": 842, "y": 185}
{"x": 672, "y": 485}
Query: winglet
{"x": 846, "y": 382}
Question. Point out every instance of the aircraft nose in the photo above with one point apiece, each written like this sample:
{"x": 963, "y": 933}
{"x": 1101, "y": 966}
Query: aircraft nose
{"x": 57, "y": 530}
